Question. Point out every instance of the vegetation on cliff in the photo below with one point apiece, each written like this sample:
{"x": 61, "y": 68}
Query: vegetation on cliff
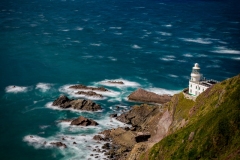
{"x": 206, "y": 129}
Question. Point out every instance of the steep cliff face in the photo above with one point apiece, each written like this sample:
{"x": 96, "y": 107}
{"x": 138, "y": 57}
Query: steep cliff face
{"x": 206, "y": 129}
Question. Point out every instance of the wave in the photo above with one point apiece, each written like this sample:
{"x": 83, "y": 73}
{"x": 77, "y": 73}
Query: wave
{"x": 172, "y": 75}
{"x": 79, "y": 28}
{"x": 165, "y": 33}
{"x": 43, "y": 86}
{"x": 187, "y": 55}
{"x": 16, "y": 89}
{"x": 95, "y": 44}
{"x": 112, "y": 58}
{"x": 224, "y": 50}
{"x": 167, "y": 25}
{"x": 197, "y": 40}
{"x": 136, "y": 46}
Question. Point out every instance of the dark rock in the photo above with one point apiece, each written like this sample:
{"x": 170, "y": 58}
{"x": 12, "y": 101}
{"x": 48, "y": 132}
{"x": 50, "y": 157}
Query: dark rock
{"x": 74, "y": 143}
{"x": 142, "y": 137}
{"x": 113, "y": 115}
{"x": 90, "y": 93}
{"x": 82, "y": 121}
{"x": 127, "y": 128}
{"x": 59, "y": 144}
{"x": 106, "y": 146}
{"x": 88, "y": 88}
{"x": 78, "y": 104}
{"x": 117, "y": 107}
{"x": 146, "y": 96}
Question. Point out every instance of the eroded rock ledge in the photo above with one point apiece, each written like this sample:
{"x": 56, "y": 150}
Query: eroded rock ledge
{"x": 145, "y": 96}
{"x": 79, "y": 104}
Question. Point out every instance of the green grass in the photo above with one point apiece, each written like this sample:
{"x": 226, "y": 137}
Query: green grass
{"x": 216, "y": 124}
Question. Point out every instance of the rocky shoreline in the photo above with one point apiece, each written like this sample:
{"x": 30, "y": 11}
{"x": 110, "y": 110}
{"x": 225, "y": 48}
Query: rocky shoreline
{"x": 121, "y": 143}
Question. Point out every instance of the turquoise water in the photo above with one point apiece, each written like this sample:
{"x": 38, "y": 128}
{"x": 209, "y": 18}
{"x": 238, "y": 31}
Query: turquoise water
{"x": 48, "y": 45}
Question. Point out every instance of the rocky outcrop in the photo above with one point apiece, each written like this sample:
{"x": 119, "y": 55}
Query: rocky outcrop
{"x": 146, "y": 96}
{"x": 90, "y": 94}
{"x": 78, "y": 104}
{"x": 80, "y": 86}
{"x": 144, "y": 120}
{"x": 82, "y": 121}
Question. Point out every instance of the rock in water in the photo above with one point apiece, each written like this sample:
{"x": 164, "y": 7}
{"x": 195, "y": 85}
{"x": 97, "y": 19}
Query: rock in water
{"x": 79, "y": 104}
{"x": 82, "y": 121}
{"x": 90, "y": 93}
{"x": 80, "y": 86}
{"x": 146, "y": 96}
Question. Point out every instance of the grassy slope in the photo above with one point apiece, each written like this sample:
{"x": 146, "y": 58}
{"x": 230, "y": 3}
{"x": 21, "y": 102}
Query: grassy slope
{"x": 215, "y": 121}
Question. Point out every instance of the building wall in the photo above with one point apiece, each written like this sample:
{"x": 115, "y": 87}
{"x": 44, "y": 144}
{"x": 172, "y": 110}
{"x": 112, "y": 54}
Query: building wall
{"x": 196, "y": 89}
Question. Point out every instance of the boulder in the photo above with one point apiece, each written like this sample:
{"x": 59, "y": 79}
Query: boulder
{"x": 146, "y": 96}
{"x": 78, "y": 104}
{"x": 80, "y": 86}
{"x": 82, "y": 121}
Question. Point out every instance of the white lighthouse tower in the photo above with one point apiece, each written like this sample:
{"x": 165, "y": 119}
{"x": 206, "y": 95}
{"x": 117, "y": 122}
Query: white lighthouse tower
{"x": 195, "y": 81}
{"x": 197, "y": 84}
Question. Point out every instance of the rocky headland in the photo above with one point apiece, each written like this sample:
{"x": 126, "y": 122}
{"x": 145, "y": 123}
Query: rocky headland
{"x": 79, "y": 104}
{"x": 142, "y": 95}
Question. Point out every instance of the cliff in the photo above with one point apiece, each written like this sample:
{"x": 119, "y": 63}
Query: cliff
{"x": 206, "y": 129}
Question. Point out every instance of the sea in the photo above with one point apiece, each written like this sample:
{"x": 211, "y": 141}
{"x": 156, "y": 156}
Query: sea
{"x": 48, "y": 45}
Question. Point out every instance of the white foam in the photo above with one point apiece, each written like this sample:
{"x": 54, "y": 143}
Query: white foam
{"x": 165, "y": 33}
{"x": 43, "y": 86}
{"x": 172, "y": 75}
{"x": 16, "y": 89}
{"x": 187, "y": 55}
{"x": 65, "y": 30}
{"x": 161, "y": 91}
{"x": 136, "y": 46}
{"x": 126, "y": 83}
{"x": 197, "y": 40}
{"x": 112, "y": 58}
{"x": 167, "y": 59}
{"x": 167, "y": 25}
{"x": 79, "y": 28}
{"x": 95, "y": 44}
{"x": 224, "y": 50}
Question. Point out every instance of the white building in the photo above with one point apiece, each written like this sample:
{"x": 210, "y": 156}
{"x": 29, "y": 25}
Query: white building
{"x": 198, "y": 84}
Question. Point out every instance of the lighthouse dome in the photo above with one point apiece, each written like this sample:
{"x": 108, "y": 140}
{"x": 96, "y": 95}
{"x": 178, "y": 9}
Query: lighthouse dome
{"x": 196, "y": 66}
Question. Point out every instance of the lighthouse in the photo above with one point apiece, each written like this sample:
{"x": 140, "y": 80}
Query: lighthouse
{"x": 197, "y": 84}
